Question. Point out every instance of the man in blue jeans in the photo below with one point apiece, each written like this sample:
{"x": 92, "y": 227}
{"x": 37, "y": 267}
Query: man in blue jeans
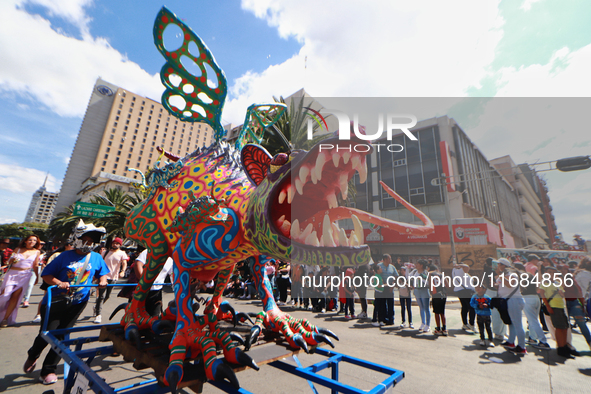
{"x": 73, "y": 267}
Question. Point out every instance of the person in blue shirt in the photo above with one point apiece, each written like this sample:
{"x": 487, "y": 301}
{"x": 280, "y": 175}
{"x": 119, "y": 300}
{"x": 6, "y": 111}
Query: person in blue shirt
{"x": 481, "y": 304}
{"x": 74, "y": 267}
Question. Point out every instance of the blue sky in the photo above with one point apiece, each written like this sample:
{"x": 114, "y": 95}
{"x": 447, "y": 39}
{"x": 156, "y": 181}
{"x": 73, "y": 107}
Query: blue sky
{"x": 53, "y": 51}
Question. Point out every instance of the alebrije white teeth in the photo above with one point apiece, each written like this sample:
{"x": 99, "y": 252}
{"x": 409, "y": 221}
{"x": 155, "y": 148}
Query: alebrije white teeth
{"x": 355, "y": 162}
{"x": 327, "y": 232}
{"x": 320, "y": 161}
{"x": 299, "y": 186}
{"x": 285, "y": 227}
{"x": 343, "y": 238}
{"x": 307, "y": 231}
{"x": 353, "y": 241}
{"x": 335, "y": 158}
{"x": 312, "y": 239}
{"x": 346, "y": 157}
{"x": 332, "y": 201}
{"x": 295, "y": 229}
{"x": 282, "y": 196}
{"x": 290, "y": 193}
{"x": 358, "y": 227}
{"x": 362, "y": 169}
{"x": 304, "y": 172}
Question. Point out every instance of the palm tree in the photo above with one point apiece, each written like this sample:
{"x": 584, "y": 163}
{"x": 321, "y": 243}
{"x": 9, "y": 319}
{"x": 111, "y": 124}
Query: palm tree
{"x": 61, "y": 226}
{"x": 114, "y": 221}
{"x": 293, "y": 124}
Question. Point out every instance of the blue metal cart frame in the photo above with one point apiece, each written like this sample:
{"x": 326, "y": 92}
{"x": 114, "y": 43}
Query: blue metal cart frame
{"x": 74, "y": 364}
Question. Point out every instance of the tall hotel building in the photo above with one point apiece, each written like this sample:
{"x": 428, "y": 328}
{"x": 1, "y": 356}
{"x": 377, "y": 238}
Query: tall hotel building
{"x": 120, "y": 131}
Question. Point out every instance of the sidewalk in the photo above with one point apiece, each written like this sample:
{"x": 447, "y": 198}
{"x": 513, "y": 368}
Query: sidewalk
{"x": 454, "y": 364}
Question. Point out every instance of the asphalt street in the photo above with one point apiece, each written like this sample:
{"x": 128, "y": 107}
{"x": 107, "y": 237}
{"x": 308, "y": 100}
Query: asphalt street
{"x": 453, "y": 364}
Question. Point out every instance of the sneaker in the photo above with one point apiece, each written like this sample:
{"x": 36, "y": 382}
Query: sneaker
{"x": 518, "y": 350}
{"x": 573, "y": 351}
{"x": 353, "y": 317}
{"x": 37, "y": 319}
{"x": 29, "y": 365}
{"x": 421, "y": 327}
{"x": 323, "y": 310}
{"x": 436, "y": 332}
{"x": 375, "y": 324}
{"x": 482, "y": 343}
{"x": 347, "y": 317}
{"x": 98, "y": 319}
{"x": 25, "y": 304}
{"x": 427, "y": 328}
{"x": 410, "y": 325}
{"x": 4, "y": 323}
{"x": 530, "y": 341}
{"x": 471, "y": 327}
{"x": 542, "y": 345}
{"x": 48, "y": 379}
{"x": 509, "y": 345}
{"x": 465, "y": 327}
{"x": 491, "y": 343}
{"x": 499, "y": 337}
{"x": 564, "y": 352}
{"x": 444, "y": 333}
{"x": 402, "y": 325}
{"x": 362, "y": 315}
{"x": 281, "y": 303}
{"x": 310, "y": 308}
{"x": 382, "y": 324}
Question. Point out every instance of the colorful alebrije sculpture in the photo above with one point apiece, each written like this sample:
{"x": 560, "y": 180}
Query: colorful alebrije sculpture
{"x": 219, "y": 206}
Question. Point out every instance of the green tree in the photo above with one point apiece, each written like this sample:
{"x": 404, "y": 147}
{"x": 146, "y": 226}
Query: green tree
{"x": 61, "y": 226}
{"x": 114, "y": 221}
{"x": 21, "y": 230}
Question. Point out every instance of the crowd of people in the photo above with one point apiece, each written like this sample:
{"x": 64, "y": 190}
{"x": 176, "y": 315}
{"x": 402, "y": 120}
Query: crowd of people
{"x": 548, "y": 295}
{"x": 510, "y": 290}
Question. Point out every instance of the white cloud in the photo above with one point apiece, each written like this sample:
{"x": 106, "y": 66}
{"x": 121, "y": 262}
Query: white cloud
{"x": 71, "y": 10}
{"x": 58, "y": 70}
{"x": 565, "y": 75}
{"x": 17, "y": 179}
{"x": 382, "y": 48}
{"x": 526, "y": 6}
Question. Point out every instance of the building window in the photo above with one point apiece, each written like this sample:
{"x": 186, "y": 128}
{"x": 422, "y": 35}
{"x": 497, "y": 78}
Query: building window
{"x": 115, "y": 165}
{"x": 109, "y": 143}
{"x": 108, "y": 149}
{"x": 106, "y": 156}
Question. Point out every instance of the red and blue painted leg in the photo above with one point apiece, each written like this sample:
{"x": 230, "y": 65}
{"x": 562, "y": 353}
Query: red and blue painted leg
{"x": 298, "y": 332}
